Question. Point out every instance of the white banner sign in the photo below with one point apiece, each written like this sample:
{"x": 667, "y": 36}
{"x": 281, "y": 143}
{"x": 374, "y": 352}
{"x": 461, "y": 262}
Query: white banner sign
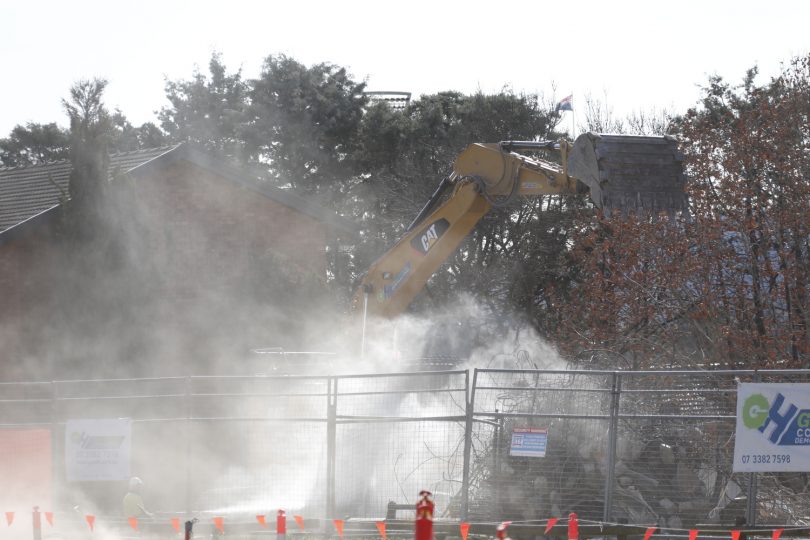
{"x": 773, "y": 428}
{"x": 98, "y": 449}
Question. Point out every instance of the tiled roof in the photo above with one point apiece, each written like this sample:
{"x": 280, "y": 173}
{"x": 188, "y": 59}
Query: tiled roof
{"x": 26, "y": 192}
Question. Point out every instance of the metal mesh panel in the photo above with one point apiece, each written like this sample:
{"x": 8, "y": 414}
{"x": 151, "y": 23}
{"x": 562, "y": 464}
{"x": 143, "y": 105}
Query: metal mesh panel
{"x": 397, "y": 435}
{"x": 574, "y": 407}
{"x": 675, "y": 449}
{"x": 393, "y": 461}
{"x": 287, "y": 398}
{"x": 420, "y": 395}
{"x": 675, "y": 452}
{"x": 139, "y": 399}
{"x": 233, "y": 445}
{"x": 255, "y": 467}
{"x": 156, "y": 407}
{"x": 258, "y": 444}
{"x": 26, "y": 403}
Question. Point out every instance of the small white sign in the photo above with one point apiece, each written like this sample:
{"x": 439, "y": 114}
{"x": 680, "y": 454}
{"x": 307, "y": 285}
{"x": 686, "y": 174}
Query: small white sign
{"x": 529, "y": 442}
{"x": 773, "y": 428}
{"x": 98, "y": 449}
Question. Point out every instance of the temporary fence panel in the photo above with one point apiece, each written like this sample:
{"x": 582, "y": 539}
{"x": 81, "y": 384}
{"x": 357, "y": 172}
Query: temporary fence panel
{"x": 674, "y": 448}
{"x": 155, "y": 411}
{"x": 539, "y": 444}
{"x": 637, "y": 447}
{"x": 396, "y": 435}
{"x": 258, "y": 444}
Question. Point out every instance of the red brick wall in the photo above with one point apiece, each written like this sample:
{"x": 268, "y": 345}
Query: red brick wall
{"x": 28, "y": 273}
{"x": 208, "y": 227}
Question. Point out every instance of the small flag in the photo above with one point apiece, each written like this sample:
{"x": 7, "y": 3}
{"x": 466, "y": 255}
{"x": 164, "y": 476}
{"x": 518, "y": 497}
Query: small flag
{"x": 176, "y": 524}
{"x": 219, "y": 523}
{"x": 465, "y": 530}
{"x": 262, "y": 521}
{"x": 338, "y": 526}
{"x": 648, "y": 534}
{"x": 693, "y": 534}
{"x": 566, "y": 104}
{"x": 299, "y": 520}
{"x": 735, "y": 535}
{"x": 49, "y": 518}
{"x": 573, "y": 527}
{"x": 133, "y": 522}
{"x": 550, "y": 524}
{"x": 381, "y": 528}
{"x": 90, "y": 521}
{"x": 777, "y": 533}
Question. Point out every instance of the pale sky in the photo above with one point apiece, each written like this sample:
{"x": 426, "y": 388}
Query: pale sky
{"x": 640, "y": 54}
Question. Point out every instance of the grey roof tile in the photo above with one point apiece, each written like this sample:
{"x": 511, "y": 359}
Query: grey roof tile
{"x": 26, "y": 192}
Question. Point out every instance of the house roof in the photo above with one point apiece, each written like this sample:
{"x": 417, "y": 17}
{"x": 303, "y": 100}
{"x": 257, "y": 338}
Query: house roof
{"x": 27, "y": 194}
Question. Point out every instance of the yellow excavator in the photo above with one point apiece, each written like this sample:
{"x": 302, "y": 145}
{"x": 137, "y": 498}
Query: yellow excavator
{"x": 620, "y": 172}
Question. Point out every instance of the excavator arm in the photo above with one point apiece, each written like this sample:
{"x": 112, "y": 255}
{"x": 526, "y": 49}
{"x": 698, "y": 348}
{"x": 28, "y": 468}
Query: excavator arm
{"x": 395, "y": 279}
{"x": 488, "y": 175}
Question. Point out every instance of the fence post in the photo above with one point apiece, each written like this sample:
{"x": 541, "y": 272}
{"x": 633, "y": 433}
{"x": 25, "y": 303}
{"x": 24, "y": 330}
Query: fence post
{"x": 331, "y": 425}
{"x": 468, "y": 412}
{"x": 613, "y": 422}
{"x": 188, "y": 405}
{"x": 57, "y": 443}
{"x": 496, "y": 463}
{"x": 36, "y": 522}
{"x": 751, "y": 502}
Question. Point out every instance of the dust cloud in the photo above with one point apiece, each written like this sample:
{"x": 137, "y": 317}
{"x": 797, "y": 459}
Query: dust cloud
{"x": 150, "y": 320}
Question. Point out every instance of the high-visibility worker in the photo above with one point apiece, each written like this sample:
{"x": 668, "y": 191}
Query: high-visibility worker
{"x": 133, "y": 501}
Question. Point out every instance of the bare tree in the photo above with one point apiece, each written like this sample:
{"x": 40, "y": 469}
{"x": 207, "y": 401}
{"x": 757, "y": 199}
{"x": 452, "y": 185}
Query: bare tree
{"x": 651, "y": 122}
{"x": 599, "y": 117}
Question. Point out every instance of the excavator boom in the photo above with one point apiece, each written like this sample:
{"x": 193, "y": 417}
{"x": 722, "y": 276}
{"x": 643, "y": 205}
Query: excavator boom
{"x": 639, "y": 174}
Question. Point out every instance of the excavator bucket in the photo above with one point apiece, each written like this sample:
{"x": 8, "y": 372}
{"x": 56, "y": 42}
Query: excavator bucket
{"x": 628, "y": 173}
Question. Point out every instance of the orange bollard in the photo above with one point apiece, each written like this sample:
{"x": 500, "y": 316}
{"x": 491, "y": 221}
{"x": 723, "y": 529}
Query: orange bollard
{"x": 464, "y": 528}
